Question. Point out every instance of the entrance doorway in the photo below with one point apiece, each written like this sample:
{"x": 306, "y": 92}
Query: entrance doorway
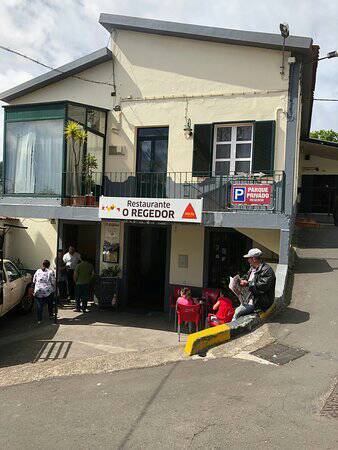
{"x": 83, "y": 236}
{"x": 319, "y": 193}
{"x": 146, "y": 266}
{"x": 226, "y": 250}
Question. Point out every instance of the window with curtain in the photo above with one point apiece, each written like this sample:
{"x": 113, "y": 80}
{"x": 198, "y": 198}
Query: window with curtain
{"x": 33, "y": 162}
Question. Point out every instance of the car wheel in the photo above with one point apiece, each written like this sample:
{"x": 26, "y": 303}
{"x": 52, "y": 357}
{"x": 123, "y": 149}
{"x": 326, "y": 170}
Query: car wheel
{"x": 26, "y": 304}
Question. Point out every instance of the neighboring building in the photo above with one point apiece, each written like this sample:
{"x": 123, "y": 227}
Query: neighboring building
{"x": 318, "y": 178}
{"x": 181, "y": 111}
{"x": 29, "y": 241}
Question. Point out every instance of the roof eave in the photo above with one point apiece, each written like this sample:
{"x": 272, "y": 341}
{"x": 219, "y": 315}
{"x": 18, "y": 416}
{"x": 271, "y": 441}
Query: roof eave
{"x": 221, "y": 35}
{"x": 79, "y": 65}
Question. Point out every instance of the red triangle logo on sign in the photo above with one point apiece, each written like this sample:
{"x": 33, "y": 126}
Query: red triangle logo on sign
{"x": 189, "y": 212}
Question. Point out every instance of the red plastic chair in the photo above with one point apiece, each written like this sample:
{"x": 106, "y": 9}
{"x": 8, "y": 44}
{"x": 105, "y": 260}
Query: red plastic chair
{"x": 188, "y": 313}
{"x": 210, "y": 295}
{"x": 176, "y": 292}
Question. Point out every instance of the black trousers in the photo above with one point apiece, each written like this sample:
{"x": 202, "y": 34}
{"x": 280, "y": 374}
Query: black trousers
{"x": 62, "y": 289}
{"x": 71, "y": 283}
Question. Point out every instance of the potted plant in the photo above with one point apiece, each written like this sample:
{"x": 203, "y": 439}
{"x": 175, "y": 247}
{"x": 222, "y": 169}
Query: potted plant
{"x": 89, "y": 164}
{"x": 109, "y": 286}
{"x": 76, "y": 137}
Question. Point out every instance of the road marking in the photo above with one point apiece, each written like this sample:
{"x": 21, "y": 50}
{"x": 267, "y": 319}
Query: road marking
{"x": 107, "y": 348}
{"x": 249, "y": 357}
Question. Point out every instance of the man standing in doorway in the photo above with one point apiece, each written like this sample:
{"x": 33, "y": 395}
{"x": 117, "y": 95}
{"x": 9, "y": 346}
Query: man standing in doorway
{"x": 261, "y": 282}
{"x": 83, "y": 276}
{"x": 71, "y": 259}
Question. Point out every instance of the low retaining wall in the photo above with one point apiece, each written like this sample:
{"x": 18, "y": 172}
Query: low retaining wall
{"x": 202, "y": 341}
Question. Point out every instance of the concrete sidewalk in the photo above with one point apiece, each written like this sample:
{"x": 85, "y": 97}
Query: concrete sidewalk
{"x": 97, "y": 342}
{"x": 79, "y": 336}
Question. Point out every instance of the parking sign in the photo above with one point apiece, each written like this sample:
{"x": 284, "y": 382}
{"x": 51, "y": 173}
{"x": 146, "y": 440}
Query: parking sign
{"x": 251, "y": 194}
{"x": 239, "y": 194}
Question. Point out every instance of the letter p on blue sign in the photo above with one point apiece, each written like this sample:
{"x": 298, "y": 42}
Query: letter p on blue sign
{"x": 239, "y": 194}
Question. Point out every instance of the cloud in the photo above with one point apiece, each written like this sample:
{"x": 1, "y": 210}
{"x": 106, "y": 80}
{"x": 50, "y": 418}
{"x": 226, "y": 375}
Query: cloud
{"x": 56, "y": 32}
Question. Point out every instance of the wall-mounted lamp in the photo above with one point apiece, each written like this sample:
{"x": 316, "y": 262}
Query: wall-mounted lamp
{"x": 187, "y": 128}
{"x": 117, "y": 108}
{"x": 285, "y": 32}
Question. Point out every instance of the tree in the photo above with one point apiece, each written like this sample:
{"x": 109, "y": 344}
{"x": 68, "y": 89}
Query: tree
{"x": 325, "y": 135}
{"x": 89, "y": 164}
{"x": 76, "y": 136}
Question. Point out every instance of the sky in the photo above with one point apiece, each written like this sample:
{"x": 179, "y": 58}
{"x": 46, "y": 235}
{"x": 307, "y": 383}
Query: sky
{"x": 56, "y": 32}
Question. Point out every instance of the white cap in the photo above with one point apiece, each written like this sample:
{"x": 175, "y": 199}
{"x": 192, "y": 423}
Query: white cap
{"x": 253, "y": 253}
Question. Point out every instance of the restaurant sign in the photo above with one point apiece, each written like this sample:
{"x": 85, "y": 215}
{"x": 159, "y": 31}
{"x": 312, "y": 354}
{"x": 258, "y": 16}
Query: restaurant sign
{"x": 251, "y": 194}
{"x": 152, "y": 209}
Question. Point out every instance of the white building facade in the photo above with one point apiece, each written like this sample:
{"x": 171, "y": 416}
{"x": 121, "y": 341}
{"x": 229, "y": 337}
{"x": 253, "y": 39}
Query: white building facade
{"x": 178, "y": 111}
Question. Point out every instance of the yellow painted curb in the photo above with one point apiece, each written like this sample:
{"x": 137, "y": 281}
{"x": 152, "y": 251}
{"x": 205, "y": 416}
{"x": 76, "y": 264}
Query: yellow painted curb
{"x": 203, "y": 340}
{"x": 268, "y": 312}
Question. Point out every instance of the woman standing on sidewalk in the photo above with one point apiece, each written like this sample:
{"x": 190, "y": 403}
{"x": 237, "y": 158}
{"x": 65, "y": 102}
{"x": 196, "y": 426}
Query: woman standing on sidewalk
{"x": 44, "y": 289}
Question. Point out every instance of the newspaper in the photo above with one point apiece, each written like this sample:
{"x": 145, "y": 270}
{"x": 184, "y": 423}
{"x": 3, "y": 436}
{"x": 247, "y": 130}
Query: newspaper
{"x": 242, "y": 292}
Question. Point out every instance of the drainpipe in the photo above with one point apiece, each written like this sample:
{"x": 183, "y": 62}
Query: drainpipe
{"x": 290, "y": 163}
{"x": 291, "y": 137}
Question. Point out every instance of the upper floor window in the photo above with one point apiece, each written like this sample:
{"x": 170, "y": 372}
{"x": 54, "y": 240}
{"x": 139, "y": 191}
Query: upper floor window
{"x": 33, "y": 149}
{"x": 36, "y": 157}
{"x": 232, "y": 152}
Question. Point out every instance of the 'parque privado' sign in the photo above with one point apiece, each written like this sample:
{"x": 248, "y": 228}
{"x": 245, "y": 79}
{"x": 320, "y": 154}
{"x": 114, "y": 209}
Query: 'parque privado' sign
{"x": 251, "y": 194}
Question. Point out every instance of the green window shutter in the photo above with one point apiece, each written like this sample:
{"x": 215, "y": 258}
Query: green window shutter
{"x": 263, "y": 146}
{"x": 35, "y": 112}
{"x": 202, "y": 152}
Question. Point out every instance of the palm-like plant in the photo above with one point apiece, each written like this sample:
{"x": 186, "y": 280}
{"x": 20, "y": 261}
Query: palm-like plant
{"x": 76, "y": 136}
{"x": 89, "y": 164}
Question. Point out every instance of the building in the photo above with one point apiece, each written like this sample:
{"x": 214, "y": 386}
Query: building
{"x": 176, "y": 111}
{"x": 318, "y": 178}
{"x": 28, "y": 241}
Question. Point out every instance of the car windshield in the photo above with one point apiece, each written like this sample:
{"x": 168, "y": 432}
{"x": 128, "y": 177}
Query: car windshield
{"x": 11, "y": 270}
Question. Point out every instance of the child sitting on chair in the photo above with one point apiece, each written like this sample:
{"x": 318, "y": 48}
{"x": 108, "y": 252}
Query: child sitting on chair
{"x": 224, "y": 309}
{"x": 185, "y": 298}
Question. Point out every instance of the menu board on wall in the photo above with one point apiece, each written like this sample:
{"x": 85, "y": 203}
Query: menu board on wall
{"x": 111, "y": 242}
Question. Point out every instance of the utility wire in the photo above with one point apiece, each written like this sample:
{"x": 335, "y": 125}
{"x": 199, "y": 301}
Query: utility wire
{"x": 106, "y": 83}
{"x": 52, "y": 68}
{"x": 326, "y": 99}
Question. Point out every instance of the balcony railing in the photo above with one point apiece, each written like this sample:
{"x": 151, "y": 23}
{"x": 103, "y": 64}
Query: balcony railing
{"x": 216, "y": 191}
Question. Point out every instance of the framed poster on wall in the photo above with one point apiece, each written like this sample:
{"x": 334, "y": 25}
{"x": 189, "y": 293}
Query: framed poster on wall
{"x": 111, "y": 242}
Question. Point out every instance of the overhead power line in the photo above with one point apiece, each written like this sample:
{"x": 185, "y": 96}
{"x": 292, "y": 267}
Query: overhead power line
{"x": 106, "y": 83}
{"x": 326, "y": 99}
{"x": 52, "y": 68}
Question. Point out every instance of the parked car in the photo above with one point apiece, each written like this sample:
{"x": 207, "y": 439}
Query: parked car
{"x": 15, "y": 289}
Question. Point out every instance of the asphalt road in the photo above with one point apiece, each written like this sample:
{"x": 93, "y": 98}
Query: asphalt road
{"x": 221, "y": 403}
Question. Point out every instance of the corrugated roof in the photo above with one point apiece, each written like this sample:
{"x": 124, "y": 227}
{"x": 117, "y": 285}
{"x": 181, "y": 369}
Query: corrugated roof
{"x": 228, "y": 36}
{"x": 72, "y": 68}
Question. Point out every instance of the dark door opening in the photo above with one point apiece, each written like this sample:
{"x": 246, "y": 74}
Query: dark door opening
{"x": 146, "y": 266}
{"x": 83, "y": 237}
{"x": 226, "y": 250}
{"x": 319, "y": 193}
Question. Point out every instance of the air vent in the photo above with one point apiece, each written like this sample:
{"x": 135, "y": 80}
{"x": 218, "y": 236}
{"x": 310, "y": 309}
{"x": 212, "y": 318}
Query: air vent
{"x": 116, "y": 150}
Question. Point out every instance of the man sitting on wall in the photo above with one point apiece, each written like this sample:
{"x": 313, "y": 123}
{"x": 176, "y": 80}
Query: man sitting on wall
{"x": 260, "y": 281}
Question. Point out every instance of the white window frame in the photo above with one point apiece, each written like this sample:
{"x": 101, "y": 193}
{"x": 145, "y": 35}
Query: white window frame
{"x": 233, "y": 143}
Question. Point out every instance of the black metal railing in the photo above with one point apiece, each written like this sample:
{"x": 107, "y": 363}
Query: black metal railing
{"x": 216, "y": 191}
